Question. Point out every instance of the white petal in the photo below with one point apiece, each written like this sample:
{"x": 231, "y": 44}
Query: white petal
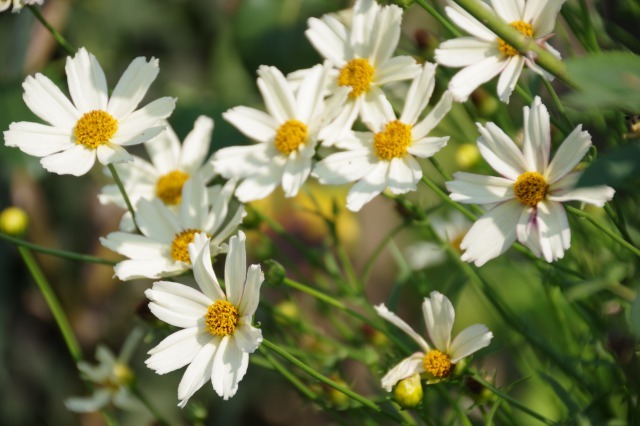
{"x": 385, "y": 313}
{"x": 49, "y": 103}
{"x": 111, "y": 153}
{"x": 229, "y": 367}
{"x": 537, "y": 136}
{"x": 395, "y": 69}
{"x": 134, "y": 246}
{"x": 574, "y": 147}
{"x": 509, "y": 77}
{"x": 527, "y": 230}
{"x": 434, "y": 117}
{"x": 509, "y": 10}
{"x": 464, "y": 51}
{"x": 468, "y": 23}
{"x": 405, "y": 368}
{"x": 470, "y": 188}
{"x": 363, "y": 27}
{"x": 203, "y": 269}
{"x": 470, "y": 340}
{"x": 277, "y": 94}
{"x": 198, "y": 372}
{"x": 261, "y": 184}
{"x": 132, "y": 87}
{"x": 247, "y": 337}
{"x": 376, "y": 108}
{"x": 177, "y": 319}
{"x": 229, "y": 228}
{"x": 148, "y": 268}
{"x": 37, "y": 139}
{"x": 555, "y": 235}
{"x": 342, "y": 123}
{"x": 87, "y": 83}
{"x": 329, "y": 37}
{"x": 253, "y": 123}
{"x": 310, "y": 96}
{"x": 220, "y": 199}
{"x": 164, "y": 151}
{"x": 344, "y": 167}
{"x": 426, "y": 147}
{"x": 76, "y": 161}
{"x": 500, "y": 152}
{"x": 142, "y": 120}
{"x": 296, "y": 172}
{"x": 95, "y": 402}
{"x": 542, "y": 15}
{"x": 235, "y": 269}
{"x": 251, "y": 293}
{"x": 137, "y": 138}
{"x": 368, "y": 187}
{"x": 492, "y": 234}
{"x": 195, "y": 204}
{"x": 404, "y": 175}
{"x": 179, "y": 298}
{"x": 469, "y": 78}
{"x": 196, "y": 145}
{"x": 177, "y": 349}
{"x": 564, "y": 190}
{"x": 439, "y": 316}
{"x": 240, "y": 161}
{"x": 419, "y": 94}
{"x": 156, "y": 221}
{"x": 386, "y": 34}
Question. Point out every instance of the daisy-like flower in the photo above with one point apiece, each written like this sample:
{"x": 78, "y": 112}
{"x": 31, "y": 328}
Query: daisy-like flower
{"x": 217, "y": 336}
{"x": 172, "y": 164}
{"x": 386, "y": 156}
{"x": 362, "y": 61}
{"x": 288, "y": 135}
{"x": 94, "y": 125}
{"x": 437, "y": 363}
{"x": 17, "y": 4}
{"x": 526, "y": 202}
{"x": 484, "y": 55}
{"x": 162, "y": 249}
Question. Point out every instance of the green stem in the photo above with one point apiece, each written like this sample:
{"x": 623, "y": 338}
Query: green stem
{"x": 59, "y": 253}
{"x": 304, "y": 389}
{"x": 438, "y": 17}
{"x": 364, "y": 278}
{"x": 59, "y": 38}
{"x": 591, "y": 32}
{"x": 445, "y": 175}
{"x": 524, "y": 45}
{"x": 313, "y": 373}
{"x": 568, "y": 126}
{"x": 347, "y": 265}
{"x": 448, "y": 200}
{"x": 616, "y": 216}
{"x": 633, "y": 249}
{"x": 159, "y": 419}
{"x": 53, "y": 303}
{"x": 123, "y": 192}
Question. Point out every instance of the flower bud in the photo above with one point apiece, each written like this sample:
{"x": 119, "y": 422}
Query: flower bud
{"x": 13, "y": 221}
{"x": 408, "y": 392}
{"x": 274, "y": 272}
{"x": 467, "y": 155}
{"x": 287, "y": 311}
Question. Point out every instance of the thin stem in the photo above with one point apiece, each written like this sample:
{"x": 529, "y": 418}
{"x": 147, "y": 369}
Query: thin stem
{"x": 524, "y": 45}
{"x": 123, "y": 192}
{"x": 313, "y": 373}
{"x": 304, "y": 389}
{"x": 556, "y": 101}
{"x": 59, "y": 253}
{"x": 347, "y": 265}
{"x": 59, "y": 38}
{"x": 368, "y": 267}
{"x": 53, "y": 303}
{"x": 448, "y": 200}
{"x": 160, "y": 420}
{"x": 633, "y": 249}
{"x": 438, "y": 17}
{"x": 616, "y": 216}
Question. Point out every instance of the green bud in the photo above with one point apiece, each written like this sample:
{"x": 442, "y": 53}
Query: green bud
{"x": 408, "y": 392}
{"x": 274, "y": 272}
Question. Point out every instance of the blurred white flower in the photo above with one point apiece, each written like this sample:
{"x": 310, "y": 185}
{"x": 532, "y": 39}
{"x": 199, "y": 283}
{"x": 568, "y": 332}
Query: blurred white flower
{"x": 526, "y": 203}
{"x": 17, "y": 4}
{"x": 161, "y": 250}
{"x": 217, "y": 336}
{"x": 94, "y": 125}
{"x": 484, "y": 55}
{"x": 437, "y": 363}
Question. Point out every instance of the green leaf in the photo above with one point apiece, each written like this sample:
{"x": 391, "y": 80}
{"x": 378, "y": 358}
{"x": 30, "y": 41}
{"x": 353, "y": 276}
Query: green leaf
{"x": 619, "y": 168}
{"x": 609, "y": 80}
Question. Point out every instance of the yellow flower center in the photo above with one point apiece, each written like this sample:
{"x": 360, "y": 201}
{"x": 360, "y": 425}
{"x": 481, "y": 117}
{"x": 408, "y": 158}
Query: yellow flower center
{"x": 530, "y": 188}
{"x": 437, "y": 364}
{"x": 290, "y": 136}
{"x": 393, "y": 141}
{"x": 95, "y": 128}
{"x": 524, "y": 28}
{"x": 169, "y": 187}
{"x": 180, "y": 245}
{"x": 221, "y": 318}
{"x": 358, "y": 74}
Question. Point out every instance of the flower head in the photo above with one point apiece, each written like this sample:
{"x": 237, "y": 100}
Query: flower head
{"x": 17, "y": 4}
{"x": 94, "y": 125}
{"x": 217, "y": 336}
{"x": 484, "y": 55}
{"x": 435, "y": 362}
{"x": 526, "y": 202}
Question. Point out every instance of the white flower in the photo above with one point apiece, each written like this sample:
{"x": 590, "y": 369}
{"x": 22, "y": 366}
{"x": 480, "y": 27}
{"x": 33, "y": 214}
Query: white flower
{"x": 161, "y": 250}
{"x": 217, "y": 336}
{"x": 94, "y": 125}
{"x": 17, "y": 4}
{"x": 288, "y": 135}
{"x": 484, "y": 55}
{"x": 436, "y": 362}
{"x": 385, "y": 157}
{"x": 171, "y": 166}
{"x": 111, "y": 378}
{"x": 362, "y": 61}
{"x": 526, "y": 201}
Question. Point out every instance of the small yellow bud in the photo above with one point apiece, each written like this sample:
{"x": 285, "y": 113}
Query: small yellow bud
{"x": 408, "y": 392}
{"x": 13, "y": 221}
{"x": 374, "y": 336}
{"x": 338, "y": 399}
{"x": 287, "y": 311}
{"x": 467, "y": 155}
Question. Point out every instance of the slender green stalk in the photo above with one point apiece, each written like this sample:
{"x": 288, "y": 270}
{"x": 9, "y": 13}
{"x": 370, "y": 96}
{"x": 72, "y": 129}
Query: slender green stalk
{"x": 568, "y": 125}
{"x": 59, "y": 38}
{"x": 616, "y": 216}
{"x": 159, "y": 418}
{"x": 58, "y": 253}
{"x": 53, "y": 303}
{"x": 445, "y": 175}
{"x": 123, "y": 192}
{"x": 313, "y": 373}
{"x": 366, "y": 272}
{"x": 304, "y": 389}
{"x": 347, "y": 265}
{"x": 633, "y": 249}
{"x": 524, "y": 45}
{"x": 438, "y": 17}
{"x": 448, "y": 200}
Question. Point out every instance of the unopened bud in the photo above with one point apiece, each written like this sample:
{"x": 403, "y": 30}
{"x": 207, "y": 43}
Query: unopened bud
{"x": 408, "y": 392}
{"x": 337, "y": 398}
{"x": 274, "y": 272}
{"x": 287, "y": 311}
{"x": 467, "y": 155}
{"x": 13, "y": 221}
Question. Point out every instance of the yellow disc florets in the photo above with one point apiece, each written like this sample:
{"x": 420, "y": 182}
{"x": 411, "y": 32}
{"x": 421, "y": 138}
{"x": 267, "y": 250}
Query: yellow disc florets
{"x": 290, "y": 136}
{"x": 357, "y": 74}
{"x": 169, "y": 187}
{"x": 524, "y": 28}
{"x": 95, "y": 128}
{"x": 221, "y": 318}
{"x": 437, "y": 364}
{"x": 180, "y": 245}
{"x": 393, "y": 141}
{"x": 530, "y": 188}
